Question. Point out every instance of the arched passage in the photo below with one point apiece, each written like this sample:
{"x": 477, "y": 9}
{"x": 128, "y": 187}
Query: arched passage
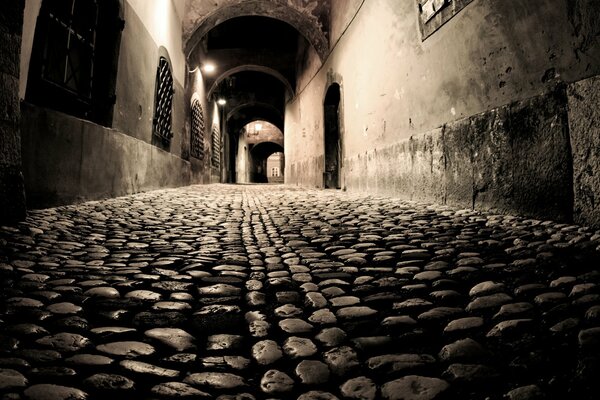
{"x": 255, "y": 68}
{"x": 260, "y": 154}
{"x": 332, "y": 137}
{"x": 305, "y": 23}
{"x": 258, "y": 140}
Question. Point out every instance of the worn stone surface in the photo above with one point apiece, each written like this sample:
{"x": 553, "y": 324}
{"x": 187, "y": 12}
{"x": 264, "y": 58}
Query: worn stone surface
{"x": 584, "y": 130}
{"x": 498, "y": 314}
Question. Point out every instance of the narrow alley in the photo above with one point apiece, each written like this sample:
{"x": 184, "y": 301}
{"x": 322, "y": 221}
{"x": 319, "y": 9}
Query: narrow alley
{"x": 252, "y": 292}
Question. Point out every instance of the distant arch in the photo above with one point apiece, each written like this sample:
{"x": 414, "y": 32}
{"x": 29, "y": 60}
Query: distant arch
{"x": 254, "y": 68}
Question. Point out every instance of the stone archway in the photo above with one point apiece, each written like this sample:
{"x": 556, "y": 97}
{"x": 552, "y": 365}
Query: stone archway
{"x": 311, "y": 22}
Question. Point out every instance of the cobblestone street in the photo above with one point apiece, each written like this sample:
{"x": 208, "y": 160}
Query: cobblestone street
{"x": 255, "y": 292}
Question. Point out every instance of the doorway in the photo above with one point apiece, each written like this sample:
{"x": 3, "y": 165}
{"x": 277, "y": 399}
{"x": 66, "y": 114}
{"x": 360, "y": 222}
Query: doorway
{"x": 333, "y": 146}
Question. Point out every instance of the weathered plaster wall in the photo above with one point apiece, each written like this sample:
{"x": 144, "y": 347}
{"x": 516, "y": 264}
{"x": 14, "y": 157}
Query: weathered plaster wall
{"x": 584, "y": 128}
{"x": 69, "y": 160}
{"x": 144, "y": 34}
{"x": 31, "y": 12}
{"x": 196, "y": 89}
{"x": 244, "y": 162}
{"x": 12, "y": 200}
{"x": 64, "y": 167}
{"x": 396, "y": 87}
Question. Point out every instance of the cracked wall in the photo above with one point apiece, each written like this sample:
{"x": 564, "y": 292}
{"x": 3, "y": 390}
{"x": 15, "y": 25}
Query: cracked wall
{"x": 475, "y": 115}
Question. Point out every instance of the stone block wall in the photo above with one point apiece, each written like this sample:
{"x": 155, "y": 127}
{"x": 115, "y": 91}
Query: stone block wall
{"x": 584, "y": 130}
{"x": 12, "y": 195}
{"x": 512, "y": 159}
{"x": 68, "y": 160}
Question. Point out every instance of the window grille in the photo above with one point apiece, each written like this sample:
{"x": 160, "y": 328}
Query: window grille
{"x": 435, "y": 13}
{"x": 164, "y": 101}
{"x": 197, "y": 142}
{"x": 216, "y": 147}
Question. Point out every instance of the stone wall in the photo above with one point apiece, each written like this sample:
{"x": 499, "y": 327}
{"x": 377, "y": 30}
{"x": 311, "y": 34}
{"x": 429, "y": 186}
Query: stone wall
{"x": 474, "y": 115}
{"x": 513, "y": 159}
{"x": 12, "y": 196}
{"x": 68, "y": 160}
{"x": 584, "y": 129}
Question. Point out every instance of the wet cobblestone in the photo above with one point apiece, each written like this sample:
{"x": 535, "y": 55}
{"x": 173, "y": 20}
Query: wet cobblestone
{"x": 265, "y": 292}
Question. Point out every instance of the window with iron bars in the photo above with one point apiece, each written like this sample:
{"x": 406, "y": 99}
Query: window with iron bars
{"x": 74, "y": 58}
{"x": 216, "y": 147}
{"x": 435, "y": 13}
{"x": 163, "y": 103}
{"x": 197, "y": 139}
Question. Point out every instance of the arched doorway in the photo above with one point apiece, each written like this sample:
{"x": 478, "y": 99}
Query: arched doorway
{"x": 333, "y": 145}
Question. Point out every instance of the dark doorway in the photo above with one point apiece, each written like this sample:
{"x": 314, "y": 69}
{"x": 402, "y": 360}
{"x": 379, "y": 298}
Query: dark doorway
{"x": 333, "y": 147}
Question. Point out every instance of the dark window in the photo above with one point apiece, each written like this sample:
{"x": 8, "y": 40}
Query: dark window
{"x": 163, "y": 103}
{"x": 435, "y": 13}
{"x": 74, "y": 58}
{"x": 197, "y": 141}
{"x": 216, "y": 147}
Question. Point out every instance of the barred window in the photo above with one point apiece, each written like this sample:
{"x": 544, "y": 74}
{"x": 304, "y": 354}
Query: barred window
{"x": 216, "y": 147}
{"x": 435, "y": 13}
{"x": 163, "y": 103}
{"x": 74, "y": 58}
{"x": 197, "y": 140}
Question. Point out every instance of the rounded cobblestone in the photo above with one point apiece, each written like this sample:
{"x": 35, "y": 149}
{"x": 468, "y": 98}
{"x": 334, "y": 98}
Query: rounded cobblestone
{"x": 249, "y": 292}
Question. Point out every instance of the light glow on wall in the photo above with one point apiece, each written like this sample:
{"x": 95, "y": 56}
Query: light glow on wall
{"x": 209, "y": 67}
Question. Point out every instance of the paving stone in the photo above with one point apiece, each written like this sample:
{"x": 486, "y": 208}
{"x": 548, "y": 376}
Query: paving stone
{"x": 360, "y": 388}
{"x": 323, "y": 317}
{"x": 312, "y": 372}
{"x": 341, "y": 360}
{"x": 359, "y": 287}
{"x": 225, "y": 362}
{"x": 464, "y": 324}
{"x": 349, "y": 313}
{"x": 65, "y": 341}
{"x": 127, "y": 349}
{"x": 297, "y": 347}
{"x": 392, "y": 363}
{"x": 470, "y": 373}
{"x": 486, "y": 288}
{"x": 315, "y": 300}
{"x": 287, "y": 311}
{"x": 463, "y": 350}
{"x": 64, "y": 308}
{"x": 215, "y": 380}
{"x": 529, "y": 392}
{"x": 11, "y": 379}
{"x": 89, "y": 360}
{"x": 146, "y": 295}
{"x": 105, "y": 292}
{"x": 510, "y": 327}
{"x": 178, "y": 390}
{"x": 331, "y": 337}
{"x": 492, "y": 302}
{"x": 148, "y": 369}
{"x": 266, "y": 352}
{"x": 109, "y": 382}
{"x": 54, "y": 392}
{"x": 414, "y": 387}
{"x": 317, "y": 395}
{"x": 295, "y": 325}
{"x": 274, "y": 381}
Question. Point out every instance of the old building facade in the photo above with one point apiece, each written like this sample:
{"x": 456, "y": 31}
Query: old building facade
{"x": 477, "y": 104}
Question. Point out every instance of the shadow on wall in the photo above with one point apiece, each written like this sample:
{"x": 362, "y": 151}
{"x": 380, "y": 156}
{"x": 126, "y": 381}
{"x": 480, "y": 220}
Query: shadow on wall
{"x": 68, "y": 160}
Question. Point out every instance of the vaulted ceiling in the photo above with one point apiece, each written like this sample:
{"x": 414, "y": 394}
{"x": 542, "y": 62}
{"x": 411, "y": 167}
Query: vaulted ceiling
{"x": 257, "y": 47}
